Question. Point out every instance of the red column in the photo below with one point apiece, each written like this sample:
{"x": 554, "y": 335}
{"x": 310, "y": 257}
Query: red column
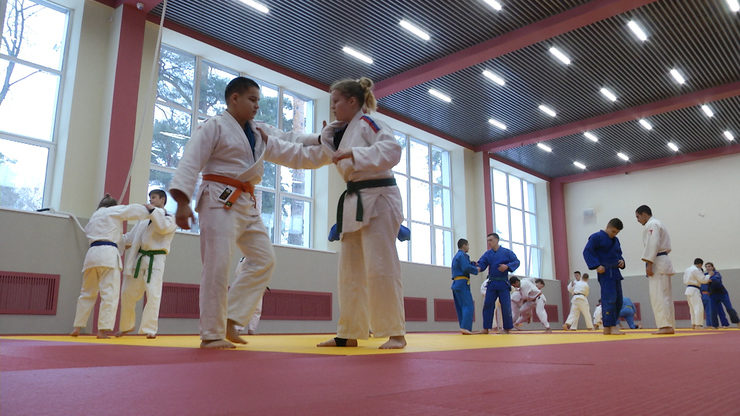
{"x": 487, "y": 192}
{"x": 560, "y": 240}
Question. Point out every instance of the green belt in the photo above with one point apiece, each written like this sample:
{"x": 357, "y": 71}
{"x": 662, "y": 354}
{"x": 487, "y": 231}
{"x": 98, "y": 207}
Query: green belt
{"x": 151, "y": 254}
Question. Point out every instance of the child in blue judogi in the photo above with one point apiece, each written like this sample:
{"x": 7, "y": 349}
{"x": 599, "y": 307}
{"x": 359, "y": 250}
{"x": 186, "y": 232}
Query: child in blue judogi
{"x": 462, "y": 267}
{"x": 603, "y": 253}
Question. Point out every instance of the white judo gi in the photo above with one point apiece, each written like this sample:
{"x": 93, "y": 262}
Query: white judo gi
{"x": 693, "y": 278}
{"x": 530, "y": 299}
{"x": 657, "y": 244}
{"x": 154, "y": 234}
{"x": 598, "y": 321}
{"x": 102, "y": 267}
{"x": 579, "y": 304}
{"x": 220, "y": 147}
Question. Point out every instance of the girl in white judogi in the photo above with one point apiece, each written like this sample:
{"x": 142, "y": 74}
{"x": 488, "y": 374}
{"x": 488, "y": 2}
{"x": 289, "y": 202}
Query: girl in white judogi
{"x": 102, "y": 266}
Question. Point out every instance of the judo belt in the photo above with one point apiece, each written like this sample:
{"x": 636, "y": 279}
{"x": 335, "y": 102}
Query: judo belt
{"x": 151, "y": 254}
{"x": 662, "y": 253}
{"x": 103, "y": 243}
{"x": 462, "y": 278}
{"x": 238, "y": 185}
{"x": 354, "y": 187}
{"x": 579, "y": 294}
{"x": 704, "y": 292}
{"x": 497, "y": 278}
{"x": 695, "y": 287}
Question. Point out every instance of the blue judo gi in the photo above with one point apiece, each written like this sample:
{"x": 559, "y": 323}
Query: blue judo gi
{"x": 719, "y": 296}
{"x": 707, "y": 301}
{"x": 464, "y": 306}
{"x": 601, "y": 250}
{"x": 628, "y": 312}
{"x": 498, "y": 285}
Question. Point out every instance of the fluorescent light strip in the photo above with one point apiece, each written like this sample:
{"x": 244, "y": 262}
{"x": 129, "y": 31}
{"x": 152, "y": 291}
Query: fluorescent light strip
{"x": 494, "y": 4}
{"x": 677, "y": 76}
{"x": 497, "y": 123}
{"x": 547, "y": 110}
{"x": 728, "y": 135}
{"x": 256, "y": 5}
{"x": 591, "y": 136}
{"x": 493, "y": 77}
{"x": 440, "y": 95}
{"x": 560, "y": 55}
{"x": 414, "y": 29}
{"x": 623, "y": 156}
{"x": 359, "y": 55}
{"x": 580, "y": 165}
{"x": 734, "y": 5}
{"x": 544, "y": 147}
{"x": 646, "y": 124}
{"x": 673, "y": 146}
{"x": 637, "y": 30}
{"x": 608, "y": 94}
{"x": 708, "y": 111}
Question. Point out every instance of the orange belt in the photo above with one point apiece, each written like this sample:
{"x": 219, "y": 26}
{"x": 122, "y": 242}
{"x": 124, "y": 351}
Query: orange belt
{"x": 239, "y": 188}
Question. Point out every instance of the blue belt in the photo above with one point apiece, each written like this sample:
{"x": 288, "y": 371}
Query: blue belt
{"x": 662, "y": 253}
{"x": 103, "y": 243}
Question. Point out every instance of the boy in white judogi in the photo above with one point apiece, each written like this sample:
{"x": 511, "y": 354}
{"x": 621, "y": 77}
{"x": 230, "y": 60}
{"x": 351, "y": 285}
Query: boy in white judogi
{"x": 693, "y": 278}
{"x": 579, "y": 304}
{"x": 148, "y": 244}
{"x": 598, "y": 319}
{"x": 102, "y": 267}
{"x": 531, "y": 299}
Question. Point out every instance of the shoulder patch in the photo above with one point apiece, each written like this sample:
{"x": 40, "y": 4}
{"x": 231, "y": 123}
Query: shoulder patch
{"x": 372, "y": 123}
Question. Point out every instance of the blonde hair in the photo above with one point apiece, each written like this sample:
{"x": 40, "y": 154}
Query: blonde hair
{"x": 361, "y": 89}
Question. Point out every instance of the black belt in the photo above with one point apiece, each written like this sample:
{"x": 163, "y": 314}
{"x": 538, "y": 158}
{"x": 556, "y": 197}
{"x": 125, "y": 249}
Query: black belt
{"x": 103, "y": 243}
{"x": 354, "y": 187}
{"x": 662, "y": 253}
{"x": 576, "y": 294}
{"x": 695, "y": 287}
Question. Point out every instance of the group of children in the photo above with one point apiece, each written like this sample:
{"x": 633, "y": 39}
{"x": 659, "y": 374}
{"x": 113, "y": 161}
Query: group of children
{"x": 706, "y": 296}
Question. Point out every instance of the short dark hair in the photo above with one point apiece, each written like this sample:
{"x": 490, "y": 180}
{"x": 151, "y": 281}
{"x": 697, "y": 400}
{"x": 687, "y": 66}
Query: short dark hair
{"x": 698, "y": 261}
{"x": 539, "y": 281}
{"x": 239, "y": 85}
{"x": 107, "y": 201}
{"x": 461, "y": 242}
{"x": 585, "y": 276}
{"x": 616, "y": 223}
{"x": 513, "y": 279}
{"x": 493, "y": 234}
{"x": 576, "y": 272}
{"x": 160, "y": 193}
{"x": 644, "y": 209}
{"x": 709, "y": 263}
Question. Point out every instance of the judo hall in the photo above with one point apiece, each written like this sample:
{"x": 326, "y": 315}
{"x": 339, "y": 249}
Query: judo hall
{"x": 537, "y": 139}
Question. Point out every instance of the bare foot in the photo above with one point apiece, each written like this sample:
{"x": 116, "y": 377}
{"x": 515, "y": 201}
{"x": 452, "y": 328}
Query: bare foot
{"x": 548, "y": 330}
{"x": 666, "y": 330}
{"x": 151, "y": 336}
{"x": 607, "y": 330}
{"x": 506, "y": 331}
{"x": 251, "y": 332}
{"x": 566, "y": 327}
{"x": 485, "y": 331}
{"x": 465, "y": 331}
{"x": 103, "y": 334}
{"x": 333, "y": 343}
{"x": 75, "y": 332}
{"x": 232, "y": 334}
{"x": 216, "y": 344}
{"x": 122, "y": 333}
{"x": 615, "y": 331}
{"x": 394, "y": 343}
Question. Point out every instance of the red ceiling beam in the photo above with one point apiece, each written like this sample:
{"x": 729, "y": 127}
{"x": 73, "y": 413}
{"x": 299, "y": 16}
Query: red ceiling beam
{"x": 424, "y": 127}
{"x": 570, "y": 20}
{"x": 628, "y": 114}
{"x": 144, "y": 5}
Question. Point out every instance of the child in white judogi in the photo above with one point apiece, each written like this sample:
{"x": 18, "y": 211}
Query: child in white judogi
{"x": 102, "y": 267}
{"x": 598, "y": 319}
{"x": 531, "y": 298}
{"x": 693, "y": 278}
{"x": 148, "y": 243}
{"x": 498, "y": 320}
{"x": 578, "y": 304}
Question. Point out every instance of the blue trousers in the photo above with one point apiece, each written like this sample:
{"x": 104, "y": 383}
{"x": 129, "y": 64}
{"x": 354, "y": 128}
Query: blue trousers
{"x": 707, "y": 301}
{"x": 497, "y": 289}
{"x": 611, "y": 298}
{"x": 464, "y": 305}
{"x": 717, "y": 301}
{"x": 629, "y": 315}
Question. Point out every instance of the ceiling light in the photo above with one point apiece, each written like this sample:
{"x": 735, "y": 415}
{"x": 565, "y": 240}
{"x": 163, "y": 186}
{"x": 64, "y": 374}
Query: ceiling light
{"x": 728, "y": 135}
{"x": 608, "y": 94}
{"x": 708, "y": 111}
{"x": 414, "y": 29}
{"x": 497, "y": 123}
{"x": 560, "y": 55}
{"x": 646, "y": 124}
{"x": 734, "y": 5}
{"x": 359, "y": 55}
{"x": 544, "y": 147}
{"x": 580, "y": 165}
{"x": 493, "y": 3}
{"x": 637, "y": 30}
{"x": 493, "y": 77}
{"x": 591, "y": 136}
{"x": 677, "y": 76}
{"x": 623, "y": 156}
{"x": 256, "y": 5}
{"x": 547, "y": 110}
{"x": 440, "y": 95}
{"x": 673, "y": 146}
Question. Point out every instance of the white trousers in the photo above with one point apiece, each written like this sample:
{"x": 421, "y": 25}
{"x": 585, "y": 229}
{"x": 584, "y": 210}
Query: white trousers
{"x": 579, "y": 306}
{"x": 696, "y": 307}
{"x": 219, "y": 229}
{"x": 133, "y": 290}
{"x": 107, "y": 282}
{"x": 370, "y": 287}
{"x": 255, "y": 319}
{"x": 525, "y": 311}
{"x": 661, "y": 299}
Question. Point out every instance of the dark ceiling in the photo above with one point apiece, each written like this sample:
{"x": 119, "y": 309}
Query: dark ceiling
{"x": 701, "y": 38}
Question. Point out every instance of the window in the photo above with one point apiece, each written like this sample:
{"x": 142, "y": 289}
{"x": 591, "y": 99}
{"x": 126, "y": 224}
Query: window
{"x": 189, "y": 91}
{"x": 515, "y": 220}
{"x": 423, "y": 177}
{"x": 32, "y": 53}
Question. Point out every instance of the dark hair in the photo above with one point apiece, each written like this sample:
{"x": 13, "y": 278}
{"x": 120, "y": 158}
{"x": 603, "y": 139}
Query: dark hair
{"x": 708, "y": 263}
{"x": 699, "y": 261}
{"x": 493, "y": 234}
{"x": 644, "y": 209}
{"x": 539, "y": 281}
{"x": 461, "y": 242}
{"x": 513, "y": 279}
{"x": 616, "y": 223}
{"x": 361, "y": 89}
{"x": 160, "y": 193}
{"x": 239, "y": 85}
{"x": 585, "y": 276}
{"x": 107, "y": 201}
{"x": 576, "y": 272}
